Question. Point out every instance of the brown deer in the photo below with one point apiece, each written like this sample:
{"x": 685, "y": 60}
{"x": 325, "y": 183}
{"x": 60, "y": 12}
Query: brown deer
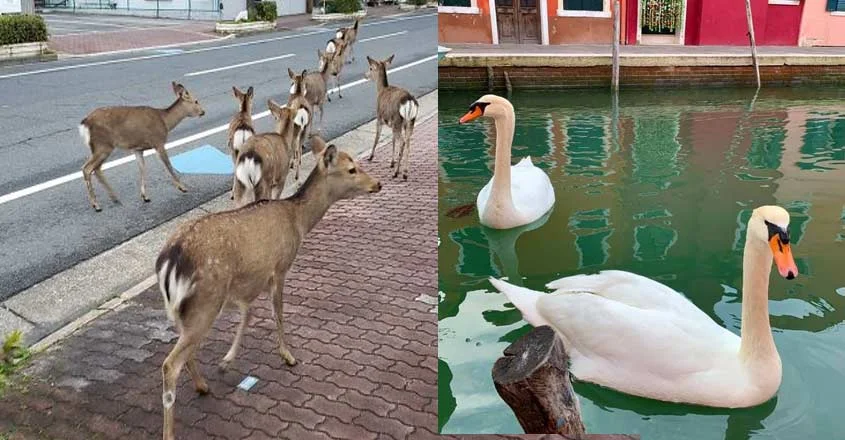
{"x": 241, "y": 126}
{"x": 233, "y": 256}
{"x": 336, "y": 50}
{"x": 395, "y": 107}
{"x": 264, "y": 160}
{"x": 301, "y": 97}
{"x": 135, "y": 129}
{"x": 312, "y": 85}
{"x": 349, "y": 35}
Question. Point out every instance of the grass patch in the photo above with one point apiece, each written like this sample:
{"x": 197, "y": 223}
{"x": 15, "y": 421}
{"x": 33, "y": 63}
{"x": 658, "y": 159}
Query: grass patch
{"x": 13, "y": 357}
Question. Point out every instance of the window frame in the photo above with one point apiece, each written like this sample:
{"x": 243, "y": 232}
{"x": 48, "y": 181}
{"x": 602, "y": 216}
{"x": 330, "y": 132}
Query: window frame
{"x": 604, "y": 13}
{"x": 471, "y": 9}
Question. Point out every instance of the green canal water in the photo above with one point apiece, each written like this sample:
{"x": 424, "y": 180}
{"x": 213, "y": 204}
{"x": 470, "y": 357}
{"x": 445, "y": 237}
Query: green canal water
{"x": 660, "y": 185}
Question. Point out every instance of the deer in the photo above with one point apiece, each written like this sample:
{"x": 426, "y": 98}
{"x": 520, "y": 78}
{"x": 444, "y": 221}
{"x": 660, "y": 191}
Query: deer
{"x": 395, "y": 107}
{"x": 349, "y": 35}
{"x": 307, "y": 91}
{"x": 264, "y": 160}
{"x": 135, "y": 129}
{"x": 233, "y": 256}
{"x": 335, "y": 53}
{"x": 241, "y": 126}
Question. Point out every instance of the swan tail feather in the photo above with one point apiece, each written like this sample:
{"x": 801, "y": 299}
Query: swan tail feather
{"x": 524, "y": 299}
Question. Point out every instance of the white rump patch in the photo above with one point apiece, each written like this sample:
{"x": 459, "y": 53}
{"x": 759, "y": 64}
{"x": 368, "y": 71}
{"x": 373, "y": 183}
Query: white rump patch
{"x": 339, "y": 34}
{"x": 85, "y": 133}
{"x": 292, "y": 88}
{"x": 304, "y": 90}
{"x": 322, "y": 64}
{"x": 331, "y": 47}
{"x": 301, "y": 118}
{"x": 408, "y": 110}
{"x": 240, "y": 138}
{"x": 248, "y": 172}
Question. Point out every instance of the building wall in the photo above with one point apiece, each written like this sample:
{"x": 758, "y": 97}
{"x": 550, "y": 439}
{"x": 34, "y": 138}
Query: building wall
{"x": 466, "y": 28}
{"x": 579, "y": 30}
{"x": 819, "y": 27}
{"x": 723, "y": 22}
{"x": 782, "y": 25}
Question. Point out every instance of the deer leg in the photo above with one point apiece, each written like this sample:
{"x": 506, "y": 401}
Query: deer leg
{"x": 393, "y": 152}
{"x": 233, "y": 350}
{"x": 92, "y": 164}
{"x": 193, "y": 369}
{"x": 162, "y": 153}
{"x": 139, "y": 156}
{"x": 234, "y": 179}
{"x": 170, "y": 373}
{"x": 337, "y": 81}
{"x": 406, "y": 147}
{"x": 102, "y": 178}
{"x": 321, "y": 117}
{"x": 397, "y": 134}
{"x": 277, "y": 289}
{"x": 375, "y": 143}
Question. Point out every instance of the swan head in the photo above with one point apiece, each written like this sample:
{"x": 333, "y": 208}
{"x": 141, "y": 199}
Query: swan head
{"x": 488, "y": 105}
{"x": 770, "y": 225}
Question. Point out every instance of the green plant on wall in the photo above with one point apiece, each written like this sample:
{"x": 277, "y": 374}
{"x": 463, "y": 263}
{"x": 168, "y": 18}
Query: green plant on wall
{"x": 342, "y": 6}
{"x": 13, "y": 354}
{"x": 661, "y": 15}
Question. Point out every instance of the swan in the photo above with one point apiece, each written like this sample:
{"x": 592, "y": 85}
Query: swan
{"x": 637, "y": 336}
{"x": 516, "y": 195}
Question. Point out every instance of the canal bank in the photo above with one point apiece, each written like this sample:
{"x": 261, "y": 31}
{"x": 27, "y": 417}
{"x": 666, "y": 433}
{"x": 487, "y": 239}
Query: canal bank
{"x": 483, "y": 66}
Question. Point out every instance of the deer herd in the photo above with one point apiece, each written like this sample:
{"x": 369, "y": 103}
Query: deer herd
{"x": 234, "y": 256}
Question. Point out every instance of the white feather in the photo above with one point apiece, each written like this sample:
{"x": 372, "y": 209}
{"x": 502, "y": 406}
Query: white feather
{"x": 408, "y": 110}
{"x": 85, "y": 133}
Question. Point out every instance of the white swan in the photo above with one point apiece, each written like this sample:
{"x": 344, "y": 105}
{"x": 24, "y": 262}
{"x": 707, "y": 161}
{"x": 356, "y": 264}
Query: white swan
{"x": 635, "y": 335}
{"x": 516, "y": 195}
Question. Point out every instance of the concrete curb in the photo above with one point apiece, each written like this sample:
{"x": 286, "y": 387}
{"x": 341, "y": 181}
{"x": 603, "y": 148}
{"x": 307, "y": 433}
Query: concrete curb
{"x": 244, "y": 28}
{"x": 58, "y": 306}
{"x": 22, "y": 50}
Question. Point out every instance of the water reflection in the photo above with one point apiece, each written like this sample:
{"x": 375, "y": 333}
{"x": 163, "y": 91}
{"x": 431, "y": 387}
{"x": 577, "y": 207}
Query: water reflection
{"x": 668, "y": 198}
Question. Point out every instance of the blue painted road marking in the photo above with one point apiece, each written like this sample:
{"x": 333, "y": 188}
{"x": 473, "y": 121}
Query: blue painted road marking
{"x": 203, "y": 160}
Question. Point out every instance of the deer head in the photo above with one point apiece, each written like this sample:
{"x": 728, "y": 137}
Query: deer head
{"x": 191, "y": 104}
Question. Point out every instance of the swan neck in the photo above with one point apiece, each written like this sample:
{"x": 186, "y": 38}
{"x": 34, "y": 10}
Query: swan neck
{"x": 756, "y": 331}
{"x": 501, "y": 190}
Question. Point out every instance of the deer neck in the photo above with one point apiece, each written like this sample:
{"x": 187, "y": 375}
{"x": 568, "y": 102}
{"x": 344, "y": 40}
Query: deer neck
{"x": 756, "y": 332}
{"x": 174, "y": 114}
{"x": 500, "y": 194}
{"x": 313, "y": 199}
{"x": 381, "y": 80}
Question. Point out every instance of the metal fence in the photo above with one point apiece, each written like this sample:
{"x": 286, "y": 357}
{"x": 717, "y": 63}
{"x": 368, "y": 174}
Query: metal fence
{"x": 197, "y": 9}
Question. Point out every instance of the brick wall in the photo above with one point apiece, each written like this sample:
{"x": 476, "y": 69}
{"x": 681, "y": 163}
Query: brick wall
{"x": 455, "y": 78}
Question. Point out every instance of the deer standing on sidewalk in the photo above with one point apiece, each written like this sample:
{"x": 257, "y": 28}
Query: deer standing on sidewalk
{"x": 241, "y": 126}
{"x": 233, "y": 256}
{"x": 349, "y": 35}
{"x": 397, "y": 108}
{"x": 135, "y": 129}
{"x": 264, "y": 160}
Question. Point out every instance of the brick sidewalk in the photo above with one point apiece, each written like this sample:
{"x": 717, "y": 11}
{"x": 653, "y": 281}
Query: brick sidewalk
{"x": 99, "y": 42}
{"x": 366, "y": 345}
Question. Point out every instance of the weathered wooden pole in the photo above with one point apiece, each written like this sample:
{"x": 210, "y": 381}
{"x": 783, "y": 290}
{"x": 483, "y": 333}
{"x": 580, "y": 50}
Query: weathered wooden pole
{"x": 751, "y": 38}
{"x": 616, "y": 25}
{"x": 533, "y": 379}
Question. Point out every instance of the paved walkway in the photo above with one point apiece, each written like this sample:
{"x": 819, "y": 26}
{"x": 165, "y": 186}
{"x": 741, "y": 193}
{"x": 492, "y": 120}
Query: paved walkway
{"x": 358, "y": 317}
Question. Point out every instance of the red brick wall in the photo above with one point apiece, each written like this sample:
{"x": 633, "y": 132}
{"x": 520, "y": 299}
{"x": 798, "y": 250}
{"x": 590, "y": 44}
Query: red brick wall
{"x": 452, "y": 78}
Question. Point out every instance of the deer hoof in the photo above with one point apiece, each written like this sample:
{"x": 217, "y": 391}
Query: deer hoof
{"x": 396, "y": 174}
{"x": 202, "y": 388}
{"x": 405, "y": 176}
{"x": 392, "y": 163}
{"x": 183, "y": 189}
{"x": 145, "y": 199}
{"x": 97, "y": 208}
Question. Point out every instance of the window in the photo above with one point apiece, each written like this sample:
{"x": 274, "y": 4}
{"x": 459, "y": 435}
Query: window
{"x": 458, "y": 6}
{"x": 584, "y": 8}
{"x": 836, "y": 6}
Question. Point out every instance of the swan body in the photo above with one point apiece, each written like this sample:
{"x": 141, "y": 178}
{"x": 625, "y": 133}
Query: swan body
{"x": 517, "y": 194}
{"x": 635, "y": 335}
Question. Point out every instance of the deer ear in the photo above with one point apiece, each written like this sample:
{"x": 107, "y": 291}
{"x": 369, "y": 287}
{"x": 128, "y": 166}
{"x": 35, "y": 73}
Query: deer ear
{"x": 389, "y": 60}
{"x": 317, "y": 144}
{"x": 178, "y": 88}
{"x": 236, "y": 92}
{"x": 370, "y": 60}
{"x": 330, "y": 155}
{"x": 290, "y": 73}
{"x": 273, "y": 106}
{"x": 250, "y": 91}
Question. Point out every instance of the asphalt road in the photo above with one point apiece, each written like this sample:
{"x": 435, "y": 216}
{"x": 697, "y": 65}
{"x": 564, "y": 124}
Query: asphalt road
{"x": 41, "y": 105}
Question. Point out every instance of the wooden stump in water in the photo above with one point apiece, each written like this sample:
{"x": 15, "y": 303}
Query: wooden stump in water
{"x": 533, "y": 379}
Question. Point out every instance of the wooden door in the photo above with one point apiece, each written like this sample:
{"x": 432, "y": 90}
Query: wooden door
{"x": 518, "y": 21}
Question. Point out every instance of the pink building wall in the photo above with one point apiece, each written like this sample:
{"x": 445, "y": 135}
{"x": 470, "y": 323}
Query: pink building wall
{"x": 722, "y": 22}
{"x": 819, "y": 27}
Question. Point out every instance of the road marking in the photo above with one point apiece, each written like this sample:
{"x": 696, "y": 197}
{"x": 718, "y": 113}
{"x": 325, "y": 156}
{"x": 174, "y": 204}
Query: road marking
{"x": 235, "y": 66}
{"x": 382, "y": 36}
{"x": 205, "y": 49}
{"x": 179, "y": 142}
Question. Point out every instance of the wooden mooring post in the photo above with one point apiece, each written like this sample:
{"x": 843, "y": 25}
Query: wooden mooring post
{"x": 533, "y": 379}
{"x": 751, "y": 39}
{"x": 616, "y": 26}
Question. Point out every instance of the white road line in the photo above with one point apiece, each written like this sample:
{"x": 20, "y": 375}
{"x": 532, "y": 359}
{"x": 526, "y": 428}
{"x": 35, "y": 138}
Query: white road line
{"x": 235, "y": 66}
{"x": 179, "y": 142}
{"x": 382, "y": 36}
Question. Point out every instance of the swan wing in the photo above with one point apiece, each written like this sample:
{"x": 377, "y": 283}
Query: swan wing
{"x": 531, "y": 190}
{"x": 633, "y": 290}
{"x": 622, "y": 346}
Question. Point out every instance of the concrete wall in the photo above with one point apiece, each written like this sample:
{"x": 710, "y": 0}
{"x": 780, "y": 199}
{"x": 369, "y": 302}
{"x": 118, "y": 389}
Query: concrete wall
{"x": 819, "y": 27}
{"x": 465, "y": 28}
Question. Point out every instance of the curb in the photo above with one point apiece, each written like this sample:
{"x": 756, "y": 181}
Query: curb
{"x": 356, "y": 142}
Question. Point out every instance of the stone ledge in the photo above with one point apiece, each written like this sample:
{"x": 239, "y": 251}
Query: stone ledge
{"x": 337, "y": 16}
{"x": 243, "y": 28}
{"x": 22, "y": 50}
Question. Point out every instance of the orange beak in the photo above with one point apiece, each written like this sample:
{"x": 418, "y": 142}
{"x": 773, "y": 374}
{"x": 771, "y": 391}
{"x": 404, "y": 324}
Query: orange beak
{"x": 471, "y": 115}
{"x": 783, "y": 258}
